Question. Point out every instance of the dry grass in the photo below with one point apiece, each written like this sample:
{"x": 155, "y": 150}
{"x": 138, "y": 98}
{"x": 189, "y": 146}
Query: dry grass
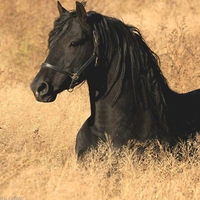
{"x": 37, "y": 140}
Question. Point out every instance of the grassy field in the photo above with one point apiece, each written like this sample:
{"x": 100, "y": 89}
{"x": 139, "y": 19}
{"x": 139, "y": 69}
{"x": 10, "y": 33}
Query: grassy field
{"x": 37, "y": 159}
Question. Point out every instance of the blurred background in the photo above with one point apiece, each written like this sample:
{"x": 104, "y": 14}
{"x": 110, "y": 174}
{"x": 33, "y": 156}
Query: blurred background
{"x": 31, "y": 131}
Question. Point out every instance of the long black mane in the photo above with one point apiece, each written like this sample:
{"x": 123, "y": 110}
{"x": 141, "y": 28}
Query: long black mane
{"x": 125, "y": 44}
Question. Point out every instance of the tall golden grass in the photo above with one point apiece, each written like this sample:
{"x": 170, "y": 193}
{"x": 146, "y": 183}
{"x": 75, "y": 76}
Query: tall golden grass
{"x": 37, "y": 159}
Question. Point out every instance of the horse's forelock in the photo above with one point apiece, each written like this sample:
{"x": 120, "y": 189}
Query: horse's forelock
{"x": 59, "y": 24}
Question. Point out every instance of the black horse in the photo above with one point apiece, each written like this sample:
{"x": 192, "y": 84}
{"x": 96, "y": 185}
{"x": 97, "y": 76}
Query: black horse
{"x": 129, "y": 96}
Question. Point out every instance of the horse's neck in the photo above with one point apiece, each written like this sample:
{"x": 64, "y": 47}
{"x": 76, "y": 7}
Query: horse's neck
{"x": 105, "y": 111}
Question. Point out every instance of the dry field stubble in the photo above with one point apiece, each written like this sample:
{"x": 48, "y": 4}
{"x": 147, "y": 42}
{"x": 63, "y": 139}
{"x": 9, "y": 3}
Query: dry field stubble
{"x": 37, "y": 159}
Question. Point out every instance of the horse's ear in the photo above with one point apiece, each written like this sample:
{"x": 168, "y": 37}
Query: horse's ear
{"x": 81, "y": 12}
{"x": 60, "y": 8}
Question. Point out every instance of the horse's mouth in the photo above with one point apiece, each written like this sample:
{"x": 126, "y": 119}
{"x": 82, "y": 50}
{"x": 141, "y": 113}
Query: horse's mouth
{"x": 47, "y": 98}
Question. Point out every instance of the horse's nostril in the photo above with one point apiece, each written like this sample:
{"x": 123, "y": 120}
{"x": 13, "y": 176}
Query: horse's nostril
{"x": 43, "y": 89}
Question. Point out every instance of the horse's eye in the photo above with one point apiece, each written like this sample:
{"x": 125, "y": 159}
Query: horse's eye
{"x": 73, "y": 44}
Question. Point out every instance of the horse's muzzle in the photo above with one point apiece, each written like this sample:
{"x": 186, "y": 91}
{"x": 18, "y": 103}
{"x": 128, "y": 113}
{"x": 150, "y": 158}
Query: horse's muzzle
{"x": 43, "y": 92}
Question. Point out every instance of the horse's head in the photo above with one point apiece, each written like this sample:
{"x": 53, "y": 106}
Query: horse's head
{"x": 72, "y": 45}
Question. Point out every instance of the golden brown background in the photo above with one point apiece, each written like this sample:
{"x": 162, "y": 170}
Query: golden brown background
{"x": 37, "y": 159}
